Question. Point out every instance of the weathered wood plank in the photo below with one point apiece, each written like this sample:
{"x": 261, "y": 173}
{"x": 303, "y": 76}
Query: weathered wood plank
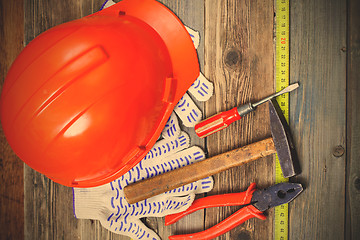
{"x": 317, "y": 117}
{"x": 353, "y": 119}
{"x": 11, "y": 167}
{"x": 239, "y": 59}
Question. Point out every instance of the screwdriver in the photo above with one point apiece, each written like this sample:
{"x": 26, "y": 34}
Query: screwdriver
{"x": 224, "y": 119}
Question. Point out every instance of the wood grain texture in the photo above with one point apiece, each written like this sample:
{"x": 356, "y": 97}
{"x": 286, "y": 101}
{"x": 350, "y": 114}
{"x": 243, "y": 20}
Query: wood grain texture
{"x": 318, "y": 117}
{"x": 353, "y": 120}
{"x": 239, "y": 59}
{"x": 237, "y": 54}
{"x": 11, "y": 167}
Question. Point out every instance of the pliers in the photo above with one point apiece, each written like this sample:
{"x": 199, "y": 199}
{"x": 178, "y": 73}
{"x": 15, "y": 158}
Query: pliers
{"x": 254, "y": 203}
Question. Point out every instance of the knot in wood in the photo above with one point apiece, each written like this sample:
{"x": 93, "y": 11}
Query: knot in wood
{"x": 232, "y": 58}
{"x": 243, "y": 235}
{"x": 338, "y": 151}
{"x": 357, "y": 184}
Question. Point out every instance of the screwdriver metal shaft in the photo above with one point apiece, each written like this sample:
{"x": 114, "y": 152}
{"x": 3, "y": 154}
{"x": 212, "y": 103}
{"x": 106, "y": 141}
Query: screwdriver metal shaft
{"x": 224, "y": 119}
{"x": 289, "y": 88}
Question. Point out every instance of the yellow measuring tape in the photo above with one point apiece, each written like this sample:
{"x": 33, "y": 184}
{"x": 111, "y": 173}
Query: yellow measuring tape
{"x": 282, "y": 81}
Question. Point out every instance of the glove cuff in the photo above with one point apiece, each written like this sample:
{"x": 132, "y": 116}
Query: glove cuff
{"x": 88, "y": 203}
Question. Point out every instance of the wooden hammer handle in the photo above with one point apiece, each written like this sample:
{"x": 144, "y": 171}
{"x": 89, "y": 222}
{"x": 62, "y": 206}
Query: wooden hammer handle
{"x": 167, "y": 181}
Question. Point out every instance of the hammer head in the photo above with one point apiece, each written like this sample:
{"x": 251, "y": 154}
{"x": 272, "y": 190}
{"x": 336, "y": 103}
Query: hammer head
{"x": 285, "y": 149}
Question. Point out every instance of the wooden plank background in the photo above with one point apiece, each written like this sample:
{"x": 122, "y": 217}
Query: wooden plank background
{"x": 318, "y": 117}
{"x": 11, "y": 168}
{"x": 237, "y": 54}
{"x": 352, "y": 222}
{"x": 241, "y": 65}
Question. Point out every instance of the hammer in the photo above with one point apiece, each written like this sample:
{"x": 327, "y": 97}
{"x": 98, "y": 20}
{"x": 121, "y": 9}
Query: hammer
{"x": 280, "y": 142}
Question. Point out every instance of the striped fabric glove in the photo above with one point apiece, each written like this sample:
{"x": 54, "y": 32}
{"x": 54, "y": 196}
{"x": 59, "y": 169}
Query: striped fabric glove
{"x": 108, "y": 204}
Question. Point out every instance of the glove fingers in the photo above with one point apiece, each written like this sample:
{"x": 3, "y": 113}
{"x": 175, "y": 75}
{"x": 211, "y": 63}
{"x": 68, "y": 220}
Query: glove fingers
{"x": 165, "y": 148}
{"x": 88, "y": 202}
{"x": 106, "y": 4}
{"x": 187, "y": 111}
{"x": 202, "y": 89}
{"x": 172, "y": 129}
{"x": 170, "y": 204}
{"x": 200, "y": 186}
{"x": 150, "y": 165}
{"x": 181, "y": 159}
{"x": 204, "y": 185}
{"x": 195, "y": 36}
{"x": 130, "y": 227}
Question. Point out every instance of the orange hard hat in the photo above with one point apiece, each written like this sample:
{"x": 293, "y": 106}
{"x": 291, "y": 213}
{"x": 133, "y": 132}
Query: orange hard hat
{"x": 86, "y": 100}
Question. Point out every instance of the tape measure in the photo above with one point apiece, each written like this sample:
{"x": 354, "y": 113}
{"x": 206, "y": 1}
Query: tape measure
{"x": 282, "y": 81}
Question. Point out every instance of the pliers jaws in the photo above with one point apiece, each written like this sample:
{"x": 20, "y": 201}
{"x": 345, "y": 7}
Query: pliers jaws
{"x": 275, "y": 195}
{"x": 254, "y": 203}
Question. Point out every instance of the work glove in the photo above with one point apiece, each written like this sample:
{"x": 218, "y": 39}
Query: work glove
{"x": 202, "y": 89}
{"x": 107, "y": 203}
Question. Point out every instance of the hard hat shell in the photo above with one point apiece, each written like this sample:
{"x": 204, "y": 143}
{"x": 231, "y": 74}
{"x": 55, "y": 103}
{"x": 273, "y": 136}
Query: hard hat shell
{"x": 86, "y": 100}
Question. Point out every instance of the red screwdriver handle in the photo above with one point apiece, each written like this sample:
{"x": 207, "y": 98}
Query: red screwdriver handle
{"x": 216, "y": 122}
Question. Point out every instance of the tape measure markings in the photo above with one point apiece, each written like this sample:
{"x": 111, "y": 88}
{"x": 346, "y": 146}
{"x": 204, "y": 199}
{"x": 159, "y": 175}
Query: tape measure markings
{"x": 282, "y": 81}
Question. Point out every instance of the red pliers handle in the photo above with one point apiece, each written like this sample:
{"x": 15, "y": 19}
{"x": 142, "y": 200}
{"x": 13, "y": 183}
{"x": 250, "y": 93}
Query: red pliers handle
{"x": 232, "y": 199}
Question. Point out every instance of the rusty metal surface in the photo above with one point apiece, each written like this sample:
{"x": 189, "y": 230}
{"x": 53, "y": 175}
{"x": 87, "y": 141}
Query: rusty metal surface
{"x": 282, "y": 139}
